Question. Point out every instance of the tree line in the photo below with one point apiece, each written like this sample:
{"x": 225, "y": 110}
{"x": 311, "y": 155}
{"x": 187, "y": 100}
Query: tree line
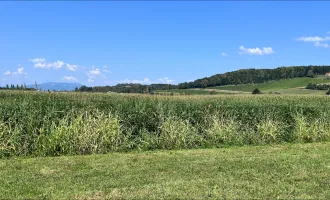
{"x": 312, "y": 86}
{"x": 127, "y": 88}
{"x": 17, "y": 87}
{"x": 246, "y": 76}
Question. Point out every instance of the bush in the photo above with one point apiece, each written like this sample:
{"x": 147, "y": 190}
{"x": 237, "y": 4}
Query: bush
{"x": 328, "y": 92}
{"x": 256, "y": 91}
{"x": 310, "y": 86}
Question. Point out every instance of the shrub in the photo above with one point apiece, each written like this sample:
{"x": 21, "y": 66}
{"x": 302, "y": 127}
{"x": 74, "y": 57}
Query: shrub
{"x": 328, "y": 92}
{"x": 256, "y": 91}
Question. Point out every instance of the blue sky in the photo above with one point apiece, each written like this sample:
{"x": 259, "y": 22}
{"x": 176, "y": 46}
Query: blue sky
{"x": 104, "y": 43}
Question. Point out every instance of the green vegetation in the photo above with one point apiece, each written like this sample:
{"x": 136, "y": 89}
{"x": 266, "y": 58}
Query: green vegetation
{"x": 17, "y": 87}
{"x": 256, "y": 91}
{"x": 250, "y": 76}
{"x": 328, "y": 92}
{"x": 128, "y": 88}
{"x": 196, "y": 91}
{"x": 299, "y": 171}
{"x": 48, "y": 124}
{"x": 312, "y": 86}
{"x": 182, "y": 92}
{"x": 274, "y": 85}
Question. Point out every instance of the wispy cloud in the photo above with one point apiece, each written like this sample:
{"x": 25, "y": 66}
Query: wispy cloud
{"x": 106, "y": 71}
{"x": 319, "y": 44}
{"x": 20, "y": 71}
{"x": 70, "y": 78}
{"x": 224, "y": 54}
{"x": 42, "y": 63}
{"x": 313, "y": 39}
{"x": 71, "y": 67}
{"x": 256, "y": 51}
{"x": 38, "y": 60}
{"x": 94, "y": 73}
{"x": 317, "y": 40}
{"x": 7, "y": 73}
{"x": 147, "y": 81}
{"x": 165, "y": 80}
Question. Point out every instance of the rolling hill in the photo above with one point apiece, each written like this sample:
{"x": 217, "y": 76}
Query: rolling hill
{"x": 284, "y": 86}
{"x": 295, "y": 83}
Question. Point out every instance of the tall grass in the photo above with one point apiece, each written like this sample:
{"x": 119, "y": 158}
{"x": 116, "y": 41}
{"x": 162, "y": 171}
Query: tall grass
{"x": 33, "y": 123}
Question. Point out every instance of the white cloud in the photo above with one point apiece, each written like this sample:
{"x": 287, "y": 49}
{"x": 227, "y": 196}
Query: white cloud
{"x": 20, "y": 71}
{"x": 316, "y": 39}
{"x": 70, "y": 78}
{"x": 71, "y": 67}
{"x": 42, "y": 63}
{"x": 38, "y": 60}
{"x": 256, "y": 51}
{"x": 94, "y": 73}
{"x": 105, "y": 67}
{"x": 7, "y": 73}
{"x": 328, "y": 32}
{"x": 147, "y": 81}
{"x": 165, "y": 80}
{"x": 312, "y": 39}
{"x": 319, "y": 44}
{"x": 224, "y": 54}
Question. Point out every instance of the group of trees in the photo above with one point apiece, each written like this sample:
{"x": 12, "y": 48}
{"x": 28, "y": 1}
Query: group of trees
{"x": 245, "y": 76}
{"x": 17, "y": 87}
{"x": 127, "y": 88}
{"x": 312, "y": 86}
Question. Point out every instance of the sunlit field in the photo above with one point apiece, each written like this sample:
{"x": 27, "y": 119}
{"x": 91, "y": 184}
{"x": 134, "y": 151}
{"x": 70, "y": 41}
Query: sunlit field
{"x": 51, "y": 124}
{"x": 298, "y": 171}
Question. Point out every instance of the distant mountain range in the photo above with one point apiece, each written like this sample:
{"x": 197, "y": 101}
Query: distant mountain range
{"x": 56, "y": 86}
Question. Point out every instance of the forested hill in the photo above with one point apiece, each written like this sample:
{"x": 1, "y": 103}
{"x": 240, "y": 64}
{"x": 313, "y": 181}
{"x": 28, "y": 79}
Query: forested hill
{"x": 245, "y": 76}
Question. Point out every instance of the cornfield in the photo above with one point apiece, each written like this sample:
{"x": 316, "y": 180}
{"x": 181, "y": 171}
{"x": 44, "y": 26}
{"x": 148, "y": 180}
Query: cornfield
{"x": 52, "y": 124}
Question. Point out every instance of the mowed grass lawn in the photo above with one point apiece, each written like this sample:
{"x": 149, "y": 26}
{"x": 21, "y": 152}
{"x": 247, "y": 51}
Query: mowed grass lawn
{"x": 282, "y": 171}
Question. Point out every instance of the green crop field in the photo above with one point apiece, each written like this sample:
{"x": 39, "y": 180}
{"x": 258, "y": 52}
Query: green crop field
{"x": 50, "y": 124}
{"x": 218, "y": 146}
{"x": 279, "y": 85}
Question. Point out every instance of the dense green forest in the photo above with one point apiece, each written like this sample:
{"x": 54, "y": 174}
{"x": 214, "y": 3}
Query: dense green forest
{"x": 245, "y": 76}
